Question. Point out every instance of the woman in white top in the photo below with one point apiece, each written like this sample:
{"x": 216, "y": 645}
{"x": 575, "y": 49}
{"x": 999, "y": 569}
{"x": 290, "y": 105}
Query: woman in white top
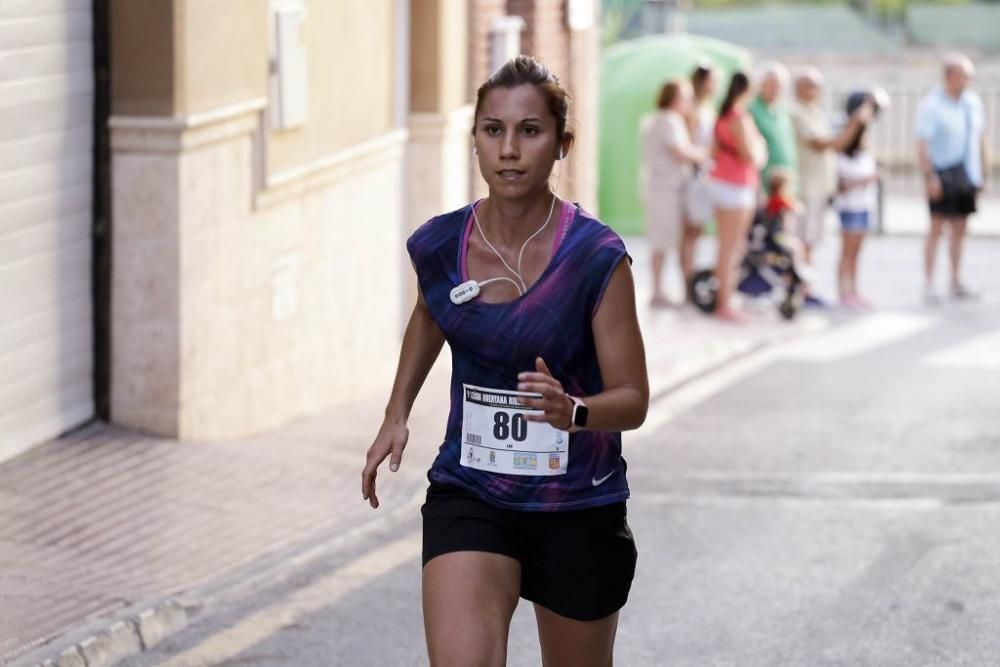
{"x": 856, "y": 204}
{"x": 667, "y": 158}
{"x": 699, "y": 206}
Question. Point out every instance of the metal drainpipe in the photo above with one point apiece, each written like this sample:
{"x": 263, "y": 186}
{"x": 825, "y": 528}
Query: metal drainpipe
{"x": 101, "y": 209}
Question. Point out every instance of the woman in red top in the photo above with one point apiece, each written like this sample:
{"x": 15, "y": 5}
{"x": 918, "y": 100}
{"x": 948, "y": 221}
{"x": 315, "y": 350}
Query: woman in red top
{"x": 738, "y": 149}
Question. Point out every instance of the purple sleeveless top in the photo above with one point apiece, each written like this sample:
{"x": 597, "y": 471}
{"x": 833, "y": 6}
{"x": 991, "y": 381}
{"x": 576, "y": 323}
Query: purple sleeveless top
{"x": 492, "y": 342}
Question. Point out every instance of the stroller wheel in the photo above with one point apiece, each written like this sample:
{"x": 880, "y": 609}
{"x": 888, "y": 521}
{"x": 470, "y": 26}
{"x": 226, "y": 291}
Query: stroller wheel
{"x": 703, "y": 290}
{"x": 788, "y": 309}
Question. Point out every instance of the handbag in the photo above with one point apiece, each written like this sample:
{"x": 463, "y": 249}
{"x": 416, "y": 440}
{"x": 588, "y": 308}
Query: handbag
{"x": 698, "y": 205}
{"x": 955, "y": 179}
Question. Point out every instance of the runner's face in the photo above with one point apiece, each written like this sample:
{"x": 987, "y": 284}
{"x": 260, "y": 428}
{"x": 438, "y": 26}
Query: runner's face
{"x": 516, "y": 141}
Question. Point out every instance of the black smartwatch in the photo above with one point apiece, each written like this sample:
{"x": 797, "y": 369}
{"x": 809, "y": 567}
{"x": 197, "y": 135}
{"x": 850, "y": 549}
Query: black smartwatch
{"x": 580, "y": 412}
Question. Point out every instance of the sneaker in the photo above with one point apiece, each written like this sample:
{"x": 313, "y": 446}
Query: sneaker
{"x": 963, "y": 293}
{"x": 855, "y": 302}
{"x": 931, "y": 297}
{"x": 863, "y": 303}
{"x": 814, "y": 302}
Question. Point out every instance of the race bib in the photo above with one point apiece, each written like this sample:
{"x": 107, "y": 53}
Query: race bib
{"x": 497, "y": 437}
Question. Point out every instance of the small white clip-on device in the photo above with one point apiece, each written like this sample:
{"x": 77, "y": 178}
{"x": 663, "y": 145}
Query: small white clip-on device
{"x": 467, "y": 291}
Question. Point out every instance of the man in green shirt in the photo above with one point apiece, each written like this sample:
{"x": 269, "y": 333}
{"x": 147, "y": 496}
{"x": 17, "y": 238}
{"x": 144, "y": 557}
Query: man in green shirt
{"x": 774, "y": 121}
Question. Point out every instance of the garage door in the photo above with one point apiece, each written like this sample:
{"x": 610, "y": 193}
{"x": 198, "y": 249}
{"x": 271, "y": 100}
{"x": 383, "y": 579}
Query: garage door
{"x": 46, "y": 111}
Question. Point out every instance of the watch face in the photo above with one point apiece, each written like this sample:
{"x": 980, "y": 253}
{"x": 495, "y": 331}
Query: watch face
{"x": 580, "y": 416}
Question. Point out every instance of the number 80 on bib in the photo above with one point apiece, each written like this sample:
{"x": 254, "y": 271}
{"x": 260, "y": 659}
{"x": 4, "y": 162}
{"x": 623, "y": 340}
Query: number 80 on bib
{"x": 497, "y": 437}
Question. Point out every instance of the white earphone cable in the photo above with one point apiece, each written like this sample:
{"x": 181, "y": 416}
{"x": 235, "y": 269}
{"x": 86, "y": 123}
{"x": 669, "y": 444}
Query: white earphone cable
{"x": 520, "y": 255}
{"x": 520, "y": 288}
{"x": 552, "y": 206}
{"x": 493, "y": 280}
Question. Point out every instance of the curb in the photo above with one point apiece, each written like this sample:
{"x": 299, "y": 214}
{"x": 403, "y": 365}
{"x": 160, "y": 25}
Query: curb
{"x": 125, "y": 637}
{"x": 139, "y": 629}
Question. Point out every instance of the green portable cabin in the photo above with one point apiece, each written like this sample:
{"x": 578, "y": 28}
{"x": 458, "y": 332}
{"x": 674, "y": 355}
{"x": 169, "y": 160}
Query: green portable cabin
{"x": 632, "y": 74}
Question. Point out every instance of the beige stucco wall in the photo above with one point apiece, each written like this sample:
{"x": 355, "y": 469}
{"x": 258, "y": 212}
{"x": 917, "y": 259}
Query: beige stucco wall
{"x": 351, "y": 93}
{"x": 439, "y": 55}
{"x": 221, "y": 52}
{"x": 583, "y": 82}
{"x": 285, "y": 328}
{"x": 234, "y": 310}
{"x": 440, "y": 153}
{"x": 441, "y": 117}
{"x": 143, "y": 64}
{"x": 455, "y": 53}
{"x": 425, "y": 56}
{"x": 235, "y": 298}
{"x": 184, "y": 56}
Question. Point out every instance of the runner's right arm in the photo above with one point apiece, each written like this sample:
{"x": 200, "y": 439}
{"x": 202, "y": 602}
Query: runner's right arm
{"x": 422, "y": 344}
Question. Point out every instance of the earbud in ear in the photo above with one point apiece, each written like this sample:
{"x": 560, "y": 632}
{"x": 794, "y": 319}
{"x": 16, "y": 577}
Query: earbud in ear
{"x": 560, "y": 153}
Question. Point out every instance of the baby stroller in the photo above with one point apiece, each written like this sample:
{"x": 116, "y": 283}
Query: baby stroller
{"x": 768, "y": 268}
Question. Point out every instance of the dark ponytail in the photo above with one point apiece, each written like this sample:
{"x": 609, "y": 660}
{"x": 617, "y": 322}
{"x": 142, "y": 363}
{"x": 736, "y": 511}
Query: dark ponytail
{"x": 739, "y": 84}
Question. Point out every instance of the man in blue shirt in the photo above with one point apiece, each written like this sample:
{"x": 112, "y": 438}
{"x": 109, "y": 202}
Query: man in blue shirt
{"x": 952, "y": 154}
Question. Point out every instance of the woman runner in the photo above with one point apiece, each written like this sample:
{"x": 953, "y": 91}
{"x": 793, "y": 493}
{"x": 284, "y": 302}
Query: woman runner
{"x": 527, "y": 494}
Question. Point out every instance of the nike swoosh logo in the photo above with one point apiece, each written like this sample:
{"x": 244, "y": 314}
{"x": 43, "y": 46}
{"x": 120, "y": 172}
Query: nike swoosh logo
{"x": 597, "y": 482}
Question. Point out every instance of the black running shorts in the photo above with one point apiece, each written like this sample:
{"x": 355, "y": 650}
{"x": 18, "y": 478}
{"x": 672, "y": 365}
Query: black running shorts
{"x": 954, "y": 205}
{"x": 578, "y": 563}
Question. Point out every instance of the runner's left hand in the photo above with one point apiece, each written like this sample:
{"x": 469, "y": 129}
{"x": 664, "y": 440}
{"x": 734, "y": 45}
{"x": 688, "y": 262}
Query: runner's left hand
{"x": 557, "y": 408}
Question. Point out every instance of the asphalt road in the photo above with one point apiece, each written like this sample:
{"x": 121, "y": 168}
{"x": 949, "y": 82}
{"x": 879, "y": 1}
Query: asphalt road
{"x": 830, "y": 502}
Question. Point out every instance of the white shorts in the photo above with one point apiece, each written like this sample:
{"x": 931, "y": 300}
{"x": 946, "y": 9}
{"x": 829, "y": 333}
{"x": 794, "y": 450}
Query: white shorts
{"x": 664, "y": 217}
{"x": 730, "y": 196}
{"x": 813, "y": 219}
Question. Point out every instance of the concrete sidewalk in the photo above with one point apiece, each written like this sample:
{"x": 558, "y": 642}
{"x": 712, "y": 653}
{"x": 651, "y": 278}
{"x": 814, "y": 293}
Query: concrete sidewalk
{"x": 111, "y": 540}
{"x": 909, "y": 215}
